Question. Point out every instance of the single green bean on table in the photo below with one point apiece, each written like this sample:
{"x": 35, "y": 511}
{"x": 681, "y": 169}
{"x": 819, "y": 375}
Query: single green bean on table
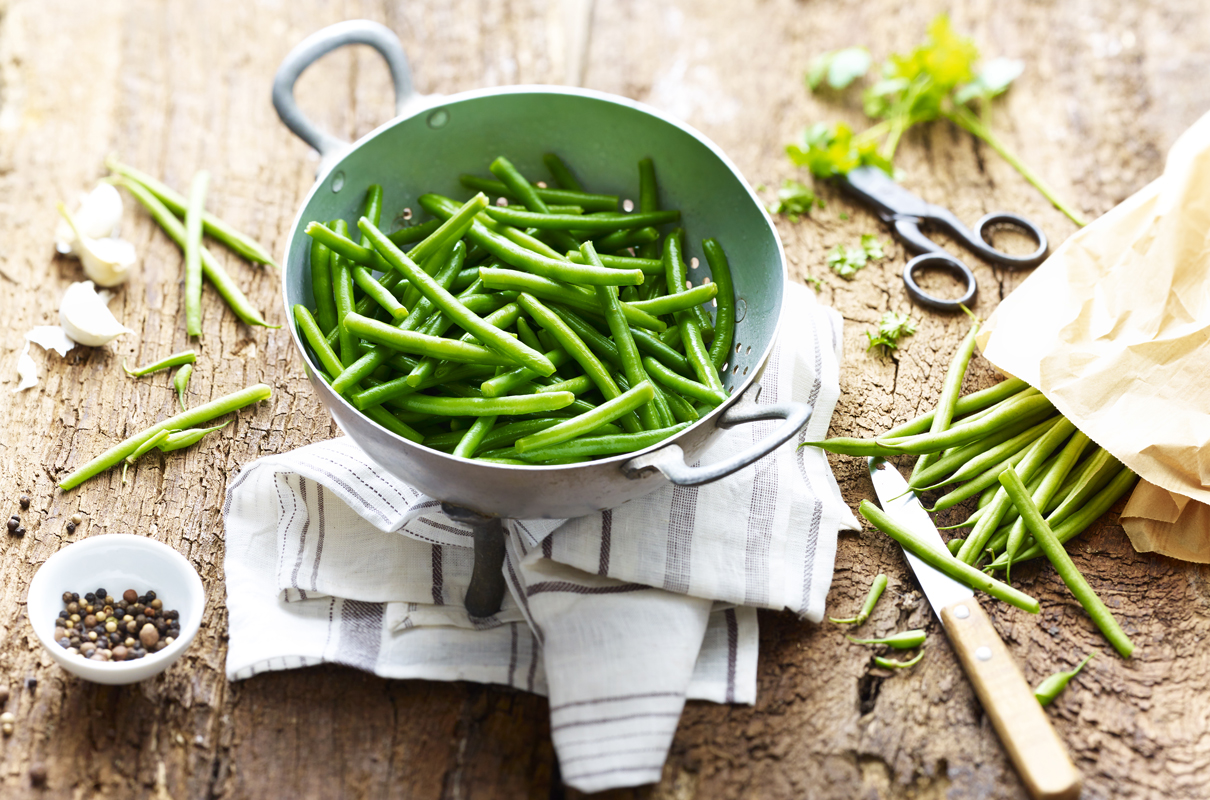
{"x": 943, "y": 414}
{"x": 194, "y": 214}
{"x": 1064, "y": 566}
{"x": 214, "y": 272}
{"x": 180, "y": 382}
{"x": 905, "y": 640}
{"x": 562, "y": 174}
{"x": 178, "y": 440}
{"x": 958, "y": 570}
{"x": 174, "y": 360}
{"x": 186, "y": 419}
{"x": 867, "y": 608}
{"x": 890, "y": 663}
{"x": 241, "y": 243}
{"x": 1049, "y": 688}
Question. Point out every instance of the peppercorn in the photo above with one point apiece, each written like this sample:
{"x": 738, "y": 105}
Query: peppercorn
{"x": 149, "y": 636}
{"x": 3, "y": 694}
{"x": 71, "y": 528}
{"x": 37, "y": 774}
{"x": 100, "y": 593}
{"x": 14, "y": 522}
{"x": 19, "y": 532}
{"x": 66, "y": 598}
{"x": 157, "y": 604}
{"x": 130, "y": 596}
{"x": 119, "y": 653}
{"x": 6, "y": 723}
{"x": 23, "y": 500}
{"x": 31, "y": 683}
{"x": 90, "y": 597}
{"x": 77, "y": 518}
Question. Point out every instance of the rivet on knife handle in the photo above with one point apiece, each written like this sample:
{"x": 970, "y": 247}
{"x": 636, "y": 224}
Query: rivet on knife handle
{"x": 1026, "y": 733}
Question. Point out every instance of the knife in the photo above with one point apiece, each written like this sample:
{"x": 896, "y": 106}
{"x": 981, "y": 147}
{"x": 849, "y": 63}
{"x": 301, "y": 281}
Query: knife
{"x": 1026, "y": 733}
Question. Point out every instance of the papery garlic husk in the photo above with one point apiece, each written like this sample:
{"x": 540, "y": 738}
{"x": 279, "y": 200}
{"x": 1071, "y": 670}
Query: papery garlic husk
{"x": 27, "y": 371}
{"x": 107, "y": 262}
{"x": 86, "y": 318}
{"x": 98, "y": 217}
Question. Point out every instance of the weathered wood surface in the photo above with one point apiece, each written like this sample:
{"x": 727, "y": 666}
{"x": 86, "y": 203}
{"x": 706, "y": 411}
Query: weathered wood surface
{"x": 174, "y": 87}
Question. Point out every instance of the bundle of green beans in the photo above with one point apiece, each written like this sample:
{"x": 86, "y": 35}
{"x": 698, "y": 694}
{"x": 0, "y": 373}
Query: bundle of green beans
{"x": 550, "y": 328}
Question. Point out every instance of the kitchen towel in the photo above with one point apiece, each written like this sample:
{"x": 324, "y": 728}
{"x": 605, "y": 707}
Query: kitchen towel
{"x": 1113, "y": 329}
{"x": 617, "y": 617}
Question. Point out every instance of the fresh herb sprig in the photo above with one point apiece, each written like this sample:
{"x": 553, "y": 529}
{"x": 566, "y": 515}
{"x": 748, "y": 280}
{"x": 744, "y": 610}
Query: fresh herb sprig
{"x": 795, "y": 199}
{"x": 846, "y": 261}
{"x": 892, "y": 327}
{"x": 936, "y": 80}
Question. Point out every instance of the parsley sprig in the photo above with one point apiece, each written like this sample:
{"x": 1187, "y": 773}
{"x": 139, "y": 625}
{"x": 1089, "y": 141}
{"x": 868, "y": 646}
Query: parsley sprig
{"x": 846, "y": 261}
{"x": 891, "y": 328}
{"x": 936, "y": 80}
{"x": 795, "y": 199}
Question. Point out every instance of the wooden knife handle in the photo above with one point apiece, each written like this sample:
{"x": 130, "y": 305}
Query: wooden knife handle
{"x": 1026, "y": 733}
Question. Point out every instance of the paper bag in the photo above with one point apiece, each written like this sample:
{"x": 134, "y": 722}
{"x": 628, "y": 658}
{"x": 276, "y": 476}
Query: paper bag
{"x": 1114, "y": 329}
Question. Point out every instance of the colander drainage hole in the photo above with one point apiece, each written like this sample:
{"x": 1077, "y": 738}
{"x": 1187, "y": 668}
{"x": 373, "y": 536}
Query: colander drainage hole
{"x": 438, "y": 118}
{"x": 628, "y": 205}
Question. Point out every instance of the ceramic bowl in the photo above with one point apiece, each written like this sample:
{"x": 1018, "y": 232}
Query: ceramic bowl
{"x": 116, "y": 562}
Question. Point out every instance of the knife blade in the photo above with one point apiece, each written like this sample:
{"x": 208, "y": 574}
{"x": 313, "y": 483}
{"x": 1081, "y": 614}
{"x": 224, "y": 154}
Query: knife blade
{"x": 1032, "y": 744}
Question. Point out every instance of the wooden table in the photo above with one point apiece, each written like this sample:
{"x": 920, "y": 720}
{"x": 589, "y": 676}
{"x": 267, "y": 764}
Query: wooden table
{"x": 174, "y": 87}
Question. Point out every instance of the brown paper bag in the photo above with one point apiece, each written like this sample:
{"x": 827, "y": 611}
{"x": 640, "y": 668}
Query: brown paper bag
{"x": 1114, "y": 329}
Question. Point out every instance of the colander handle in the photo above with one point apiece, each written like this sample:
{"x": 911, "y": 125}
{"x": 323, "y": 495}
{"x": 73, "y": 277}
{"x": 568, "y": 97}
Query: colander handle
{"x": 314, "y": 47}
{"x": 670, "y": 460}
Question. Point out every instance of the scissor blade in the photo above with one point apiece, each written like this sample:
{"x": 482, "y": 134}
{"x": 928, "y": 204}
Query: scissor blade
{"x": 901, "y": 504}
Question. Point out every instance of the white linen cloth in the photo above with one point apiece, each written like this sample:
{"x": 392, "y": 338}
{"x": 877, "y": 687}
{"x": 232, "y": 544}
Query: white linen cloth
{"x": 617, "y": 617}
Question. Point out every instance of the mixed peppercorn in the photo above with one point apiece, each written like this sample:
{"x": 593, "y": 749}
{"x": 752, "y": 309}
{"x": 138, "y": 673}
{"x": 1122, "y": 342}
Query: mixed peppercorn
{"x": 101, "y": 628}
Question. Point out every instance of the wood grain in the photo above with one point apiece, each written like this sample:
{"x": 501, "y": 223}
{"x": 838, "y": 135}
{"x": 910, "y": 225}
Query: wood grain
{"x": 174, "y": 87}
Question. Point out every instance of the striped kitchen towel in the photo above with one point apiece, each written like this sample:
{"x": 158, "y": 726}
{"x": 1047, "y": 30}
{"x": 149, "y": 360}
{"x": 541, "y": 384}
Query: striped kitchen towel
{"x": 618, "y": 617}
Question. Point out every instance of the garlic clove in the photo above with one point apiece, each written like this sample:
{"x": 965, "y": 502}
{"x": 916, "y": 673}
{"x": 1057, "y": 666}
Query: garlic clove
{"x": 98, "y": 217}
{"x": 85, "y": 317}
{"x": 107, "y": 262}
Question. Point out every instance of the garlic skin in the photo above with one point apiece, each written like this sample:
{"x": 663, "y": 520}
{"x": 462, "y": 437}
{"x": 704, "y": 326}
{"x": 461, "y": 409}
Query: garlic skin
{"x": 51, "y": 337}
{"x": 27, "y": 371}
{"x": 86, "y": 318}
{"x": 98, "y": 217}
{"x": 107, "y": 262}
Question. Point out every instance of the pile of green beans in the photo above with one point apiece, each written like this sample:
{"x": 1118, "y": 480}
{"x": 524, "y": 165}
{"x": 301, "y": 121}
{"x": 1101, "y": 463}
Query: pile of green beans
{"x": 547, "y": 328}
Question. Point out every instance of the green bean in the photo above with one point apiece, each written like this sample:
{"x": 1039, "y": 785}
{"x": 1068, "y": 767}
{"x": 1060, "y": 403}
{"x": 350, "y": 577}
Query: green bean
{"x": 186, "y": 419}
{"x": 500, "y": 318}
{"x": 867, "y": 608}
{"x": 966, "y": 433}
{"x": 505, "y": 382}
{"x": 180, "y": 382}
{"x": 959, "y": 571}
{"x": 1049, "y": 688}
{"x": 620, "y": 240}
{"x": 578, "y": 385}
{"x": 680, "y": 408}
{"x": 174, "y": 360}
{"x": 724, "y": 317}
{"x": 618, "y": 407}
{"x": 193, "y": 252}
{"x": 649, "y": 193}
{"x": 990, "y": 477}
{"x": 321, "y": 286}
{"x": 347, "y": 248}
{"x": 632, "y": 364}
{"x": 575, "y": 297}
{"x": 473, "y": 436}
{"x": 389, "y": 391}
{"x": 695, "y": 348}
{"x": 342, "y": 290}
{"x": 490, "y": 335}
{"x": 851, "y": 446}
{"x": 684, "y": 386}
{"x": 1045, "y": 538}
{"x": 214, "y": 272}
{"x": 681, "y": 301}
{"x": 413, "y": 342}
{"x": 591, "y": 223}
{"x": 604, "y": 347}
{"x": 241, "y": 243}
{"x": 890, "y": 663}
{"x": 971, "y": 459}
{"x": 526, "y": 334}
{"x": 510, "y": 252}
{"x": 309, "y": 328}
{"x": 649, "y": 266}
{"x": 371, "y": 208}
{"x": 363, "y": 278}
{"x": 561, "y": 173}
{"x": 1081, "y": 518}
{"x": 1092, "y": 476}
{"x": 672, "y": 337}
{"x": 1028, "y": 466}
{"x": 503, "y": 436}
{"x": 487, "y": 406}
{"x": 1050, "y": 481}
{"x": 587, "y": 201}
{"x": 503, "y": 169}
{"x": 142, "y": 449}
{"x": 905, "y": 640}
{"x": 578, "y": 350}
{"x": 951, "y": 388}
{"x": 179, "y": 440}
{"x": 975, "y": 401}
{"x": 654, "y": 347}
{"x": 603, "y": 445}
{"x": 414, "y": 233}
{"x": 954, "y": 545}
{"x": 393, "y": 424}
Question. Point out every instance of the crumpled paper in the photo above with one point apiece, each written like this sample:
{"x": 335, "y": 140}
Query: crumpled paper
{"x": 1113, "y": 328}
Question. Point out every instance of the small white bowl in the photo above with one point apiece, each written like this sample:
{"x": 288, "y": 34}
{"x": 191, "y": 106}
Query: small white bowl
{"x": 116, "y": 562}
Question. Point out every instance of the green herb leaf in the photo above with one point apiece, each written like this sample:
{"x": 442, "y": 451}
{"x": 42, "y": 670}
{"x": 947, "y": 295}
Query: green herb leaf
{"x": 795, "y": 198}
{"x": 829, "y": 150}
{"x": 845, "y": 261}
{"x": 813, "y": 282}
{"x": 891, "y": 328}
{"x": 872, "y": 247}
{"x": 838, "y": 67}
{"x": 993, "y": 80}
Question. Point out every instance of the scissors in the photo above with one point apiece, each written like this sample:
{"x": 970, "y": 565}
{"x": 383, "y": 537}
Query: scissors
{"x": 906, "y": 212}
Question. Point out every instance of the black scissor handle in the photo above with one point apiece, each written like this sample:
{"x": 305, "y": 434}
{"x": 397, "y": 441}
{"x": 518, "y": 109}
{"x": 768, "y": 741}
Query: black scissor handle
{"x": 979, "y": 242}
{"x": 943, "y": 261}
